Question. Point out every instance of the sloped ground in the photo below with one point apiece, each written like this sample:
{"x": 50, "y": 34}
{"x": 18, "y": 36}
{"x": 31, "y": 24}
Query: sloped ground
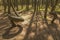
{"x": 43, "y": 31}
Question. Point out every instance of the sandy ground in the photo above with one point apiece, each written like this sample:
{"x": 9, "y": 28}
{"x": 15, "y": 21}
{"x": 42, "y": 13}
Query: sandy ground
{"x": 44, "y": 31}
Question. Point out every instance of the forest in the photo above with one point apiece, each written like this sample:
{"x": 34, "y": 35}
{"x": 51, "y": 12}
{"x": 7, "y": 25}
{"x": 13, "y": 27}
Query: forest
{"x": 29, "y": 19}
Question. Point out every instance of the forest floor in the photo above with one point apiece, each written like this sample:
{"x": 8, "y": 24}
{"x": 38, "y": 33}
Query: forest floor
{"x": 44, "y": 30}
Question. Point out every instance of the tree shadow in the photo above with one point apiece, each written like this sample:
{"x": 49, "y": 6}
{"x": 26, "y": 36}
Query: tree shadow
{"x": 29, "y": 27}
{"x": 6, "y": 35}
{"x": 52, "y": 29}
{"x": 41, "y": 36}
